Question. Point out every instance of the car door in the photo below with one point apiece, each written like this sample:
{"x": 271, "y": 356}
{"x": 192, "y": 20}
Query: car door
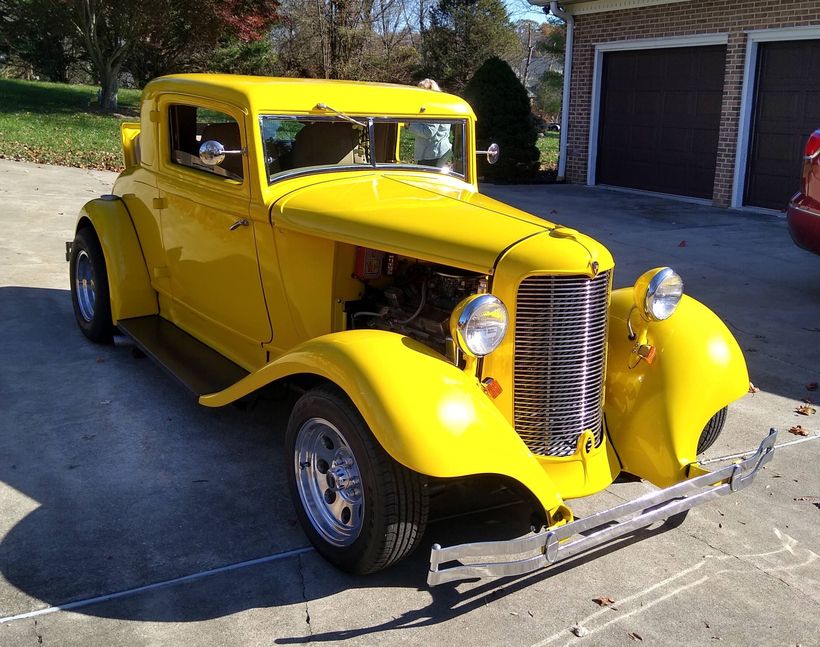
{"x": 208, "y": 235}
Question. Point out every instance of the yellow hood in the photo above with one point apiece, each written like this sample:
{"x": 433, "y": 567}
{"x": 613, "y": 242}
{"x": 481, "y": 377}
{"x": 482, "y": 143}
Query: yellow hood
{"x": 441, "y": 220}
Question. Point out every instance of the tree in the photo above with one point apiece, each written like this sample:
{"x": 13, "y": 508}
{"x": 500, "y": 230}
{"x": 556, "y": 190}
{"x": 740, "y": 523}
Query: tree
{"x": 502, "y": 107}
{"x": 158, "y": 33}
{"x": 107, "y": 31}
{"x": 460, "y": 36}
{"x": 373, "y": 40}
{"x": 549, "y": 94}
{"x": 37, "y": 34}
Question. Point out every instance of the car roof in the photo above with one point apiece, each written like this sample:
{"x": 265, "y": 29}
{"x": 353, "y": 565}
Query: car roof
{"x": 299, "y": 96}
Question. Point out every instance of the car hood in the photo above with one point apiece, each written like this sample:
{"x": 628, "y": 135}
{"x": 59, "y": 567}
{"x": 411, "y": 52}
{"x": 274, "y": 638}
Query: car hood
{"x": 440, "y": 220}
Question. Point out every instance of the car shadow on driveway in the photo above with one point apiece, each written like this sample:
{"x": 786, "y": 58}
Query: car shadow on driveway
{"x": 113, "y": 477}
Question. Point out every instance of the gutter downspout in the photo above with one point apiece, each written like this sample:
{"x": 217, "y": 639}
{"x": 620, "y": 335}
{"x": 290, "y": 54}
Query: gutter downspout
{"x": 558, "y": 12}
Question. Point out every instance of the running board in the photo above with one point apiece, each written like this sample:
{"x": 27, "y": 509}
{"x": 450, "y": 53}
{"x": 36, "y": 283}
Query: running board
{"x": 539, "y": 550}
{"x": 197, "y": 366}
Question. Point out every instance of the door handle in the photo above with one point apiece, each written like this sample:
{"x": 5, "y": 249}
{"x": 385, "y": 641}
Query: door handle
{"x": 239, "y": 223}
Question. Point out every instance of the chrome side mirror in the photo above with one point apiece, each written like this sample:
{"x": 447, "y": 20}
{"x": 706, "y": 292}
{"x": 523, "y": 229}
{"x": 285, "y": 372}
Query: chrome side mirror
{"x": 493, "y": 152}
{"x": 212, "y": 153}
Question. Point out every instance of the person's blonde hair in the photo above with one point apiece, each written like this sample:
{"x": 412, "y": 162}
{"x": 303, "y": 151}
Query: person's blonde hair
{"x": 429, "y": 84}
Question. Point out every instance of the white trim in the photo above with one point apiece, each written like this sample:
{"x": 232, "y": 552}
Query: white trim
{"x": 718, "y": 38}
{"x": 744, "y": 127}
{"x": 699, "y": 40}
{"x": 598, "y": 6}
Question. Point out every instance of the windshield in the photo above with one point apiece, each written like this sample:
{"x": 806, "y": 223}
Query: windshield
{"x": 296, "y": 143}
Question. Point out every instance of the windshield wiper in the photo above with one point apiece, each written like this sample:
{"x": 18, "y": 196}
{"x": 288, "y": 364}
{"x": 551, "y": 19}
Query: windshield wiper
{"x": 324, "y": 106}
{"x": 371, "y": 130}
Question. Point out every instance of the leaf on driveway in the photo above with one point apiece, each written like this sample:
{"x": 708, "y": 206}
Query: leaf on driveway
{"x": 798, "y": 430}
{"x": 579, "y": 631}
{"x": 805, "y": 410}
{"x": 753, "y": 388}
{"x": 811, "y": 386}
{"x": 604, "y": 601}
{"x": 635, "y": 636}
{"x": 682, "y": 243}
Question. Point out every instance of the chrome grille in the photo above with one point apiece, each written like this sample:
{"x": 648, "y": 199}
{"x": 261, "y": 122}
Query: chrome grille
{"x": 560, "y": 352}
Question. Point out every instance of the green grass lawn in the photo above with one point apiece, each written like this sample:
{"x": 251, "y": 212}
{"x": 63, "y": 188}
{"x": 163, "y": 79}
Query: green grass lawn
{"x": 52, "y": 123}
{"x": 548, "y": 147}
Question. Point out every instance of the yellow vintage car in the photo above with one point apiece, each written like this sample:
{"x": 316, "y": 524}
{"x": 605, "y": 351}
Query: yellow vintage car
{"x": 296, "y": 232}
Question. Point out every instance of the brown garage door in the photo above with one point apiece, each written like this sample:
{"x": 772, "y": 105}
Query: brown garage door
{"x": 659, "y": 120}
{"x": 787, "y": 110}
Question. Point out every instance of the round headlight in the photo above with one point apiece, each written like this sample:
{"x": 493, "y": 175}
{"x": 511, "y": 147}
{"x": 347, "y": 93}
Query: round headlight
{"x": 658, "y": 292}
{"x": 479, "y": 324}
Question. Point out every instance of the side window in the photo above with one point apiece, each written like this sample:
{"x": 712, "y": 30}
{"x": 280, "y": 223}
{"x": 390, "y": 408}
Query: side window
{"x": 191, "y": 126}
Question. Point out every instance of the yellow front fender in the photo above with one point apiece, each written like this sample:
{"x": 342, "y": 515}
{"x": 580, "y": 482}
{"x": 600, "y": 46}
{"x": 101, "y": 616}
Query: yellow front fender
{"x": 655, "y": 412}
{"x": 128, "y": 281}
{"x": 427, "y": 414}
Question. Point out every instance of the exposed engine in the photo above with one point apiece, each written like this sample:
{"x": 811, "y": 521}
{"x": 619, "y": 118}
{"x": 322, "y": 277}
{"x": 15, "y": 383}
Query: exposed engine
{"x": 411, "y": 297}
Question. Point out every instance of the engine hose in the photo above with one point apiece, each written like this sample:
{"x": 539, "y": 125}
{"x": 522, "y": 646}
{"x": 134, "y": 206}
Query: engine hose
{"x": 421, "y": 305}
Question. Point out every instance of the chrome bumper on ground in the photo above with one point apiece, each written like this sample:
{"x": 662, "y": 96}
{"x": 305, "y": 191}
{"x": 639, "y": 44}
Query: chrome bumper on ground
{"x": 539, "y": 550}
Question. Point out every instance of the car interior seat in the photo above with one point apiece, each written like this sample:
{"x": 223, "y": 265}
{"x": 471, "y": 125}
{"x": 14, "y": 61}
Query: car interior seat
{"x": 325, "y": 143}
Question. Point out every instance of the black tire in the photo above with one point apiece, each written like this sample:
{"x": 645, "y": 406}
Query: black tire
{"x": 394, "y": 508}
{"x": 712, "y": 430}
{"x": 89, "y": 291}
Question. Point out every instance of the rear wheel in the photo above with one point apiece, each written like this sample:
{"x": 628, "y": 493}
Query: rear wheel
{"x": 89, "y": 287}
{"x": 362, "y": 510}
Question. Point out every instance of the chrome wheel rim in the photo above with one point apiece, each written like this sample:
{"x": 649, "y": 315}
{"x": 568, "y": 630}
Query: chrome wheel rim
{"x": 84, "y": 283}
{"x": 329, "y": 482}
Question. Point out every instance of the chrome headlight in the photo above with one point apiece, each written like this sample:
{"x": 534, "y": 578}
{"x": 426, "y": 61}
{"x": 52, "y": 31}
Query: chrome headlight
{"x": 479, "y": 324}
{"x": 658, "y": 292}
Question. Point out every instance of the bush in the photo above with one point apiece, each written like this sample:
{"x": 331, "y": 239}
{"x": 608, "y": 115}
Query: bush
{"x": 504, "y": 117}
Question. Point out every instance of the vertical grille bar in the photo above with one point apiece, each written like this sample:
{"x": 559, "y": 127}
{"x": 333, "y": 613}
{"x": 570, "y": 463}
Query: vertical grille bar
{"x": 560, "y": 355}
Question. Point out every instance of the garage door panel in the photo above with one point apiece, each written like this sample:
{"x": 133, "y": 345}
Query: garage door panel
{"x": 709, "y": 104}
{"x": 786, "y": 111}
{"x": 664, "y": 105}
{"x": 676, "y": 140}
{"x": 704, "y": 144}
{"x": 779, "y": 106}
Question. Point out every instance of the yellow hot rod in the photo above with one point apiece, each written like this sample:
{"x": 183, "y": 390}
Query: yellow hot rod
{"x": 287, "y": 231}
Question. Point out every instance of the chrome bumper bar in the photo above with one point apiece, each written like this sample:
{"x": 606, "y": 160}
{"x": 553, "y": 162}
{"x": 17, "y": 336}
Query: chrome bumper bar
{"x": 542, "y": 549}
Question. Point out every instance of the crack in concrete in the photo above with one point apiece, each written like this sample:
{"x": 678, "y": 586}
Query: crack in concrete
{"x": 748, "y": 562}
{"x": 304, "y": 596}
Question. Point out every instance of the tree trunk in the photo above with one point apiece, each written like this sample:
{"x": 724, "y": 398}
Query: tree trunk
{"x": 109, "y": 86}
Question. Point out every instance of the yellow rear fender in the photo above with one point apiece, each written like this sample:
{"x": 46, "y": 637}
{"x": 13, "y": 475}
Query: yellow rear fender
{"x": 128, "y": 281}
{"x": 130, "y": 138}
{"x": 429, "y": 415}
{"x": 655, "y": 412}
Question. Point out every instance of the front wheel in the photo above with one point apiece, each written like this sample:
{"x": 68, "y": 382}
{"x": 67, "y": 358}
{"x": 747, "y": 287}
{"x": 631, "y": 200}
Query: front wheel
{"x": 712, "y": 430}
{"x": 89, "y": 287}
{"x": 362, "y": 510}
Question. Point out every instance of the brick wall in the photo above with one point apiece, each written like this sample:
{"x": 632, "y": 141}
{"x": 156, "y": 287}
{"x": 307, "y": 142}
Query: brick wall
{"x": 734, "y": 17}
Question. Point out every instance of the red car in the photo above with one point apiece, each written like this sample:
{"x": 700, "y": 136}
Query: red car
{"x": 803, "y": 214}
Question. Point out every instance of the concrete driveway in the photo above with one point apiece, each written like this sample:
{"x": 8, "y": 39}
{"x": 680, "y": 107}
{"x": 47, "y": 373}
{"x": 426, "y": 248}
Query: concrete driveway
{"x": 132, "y": 516}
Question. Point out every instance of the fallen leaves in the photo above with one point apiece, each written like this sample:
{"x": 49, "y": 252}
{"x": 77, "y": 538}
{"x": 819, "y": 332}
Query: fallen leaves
{"x": 798, "y": 430}
{"x": 635, "y": 636}
{"x": 579, "y": 631}
{"x": 805, "y": 410}
{"x": 811, "y": 386}
{"x": 753, "y": 388}
{"x": 604, "y": 601}
{"x": 682, "y": 243}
